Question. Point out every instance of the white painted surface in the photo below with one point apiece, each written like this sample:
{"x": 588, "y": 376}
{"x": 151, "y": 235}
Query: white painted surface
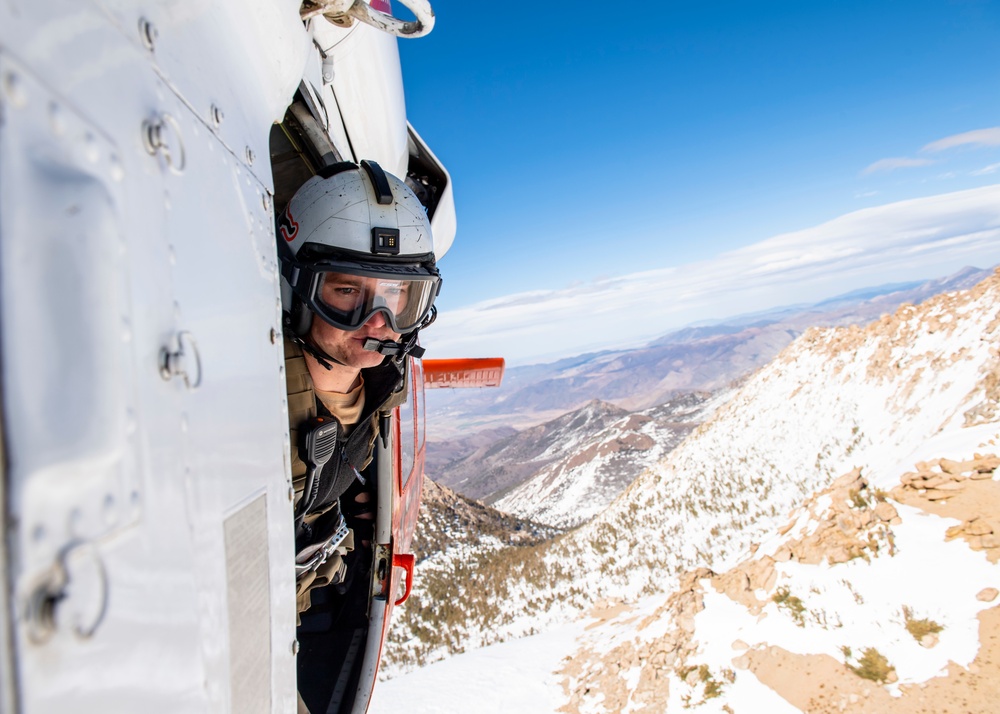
{"x": 108, "y": 252}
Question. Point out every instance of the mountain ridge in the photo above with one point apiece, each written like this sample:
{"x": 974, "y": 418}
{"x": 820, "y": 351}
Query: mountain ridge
{"x": 602, "y": 463}
{"x": 701, "y": 357}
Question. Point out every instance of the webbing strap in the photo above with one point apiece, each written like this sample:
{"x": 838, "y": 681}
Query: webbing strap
{"x": 301, "y": 403}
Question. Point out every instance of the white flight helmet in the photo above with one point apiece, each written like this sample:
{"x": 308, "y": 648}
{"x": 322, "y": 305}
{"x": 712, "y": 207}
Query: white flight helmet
{"x": 355, "y": 241}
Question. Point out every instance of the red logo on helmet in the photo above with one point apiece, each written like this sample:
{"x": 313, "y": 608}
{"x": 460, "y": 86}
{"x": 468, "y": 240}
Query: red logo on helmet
{"x": 288, "y": 226}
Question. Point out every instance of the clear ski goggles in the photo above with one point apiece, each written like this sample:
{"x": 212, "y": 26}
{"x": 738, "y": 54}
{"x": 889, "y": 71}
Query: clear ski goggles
{"x": 349, "y": 296}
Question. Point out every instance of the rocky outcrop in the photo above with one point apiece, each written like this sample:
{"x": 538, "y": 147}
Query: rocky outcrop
{"x": 849, "y": 519}
{"x": 853, "y": 522}
{"x": 940, "y": 481}
{"x": 746, "y": 580}
{"x": 594, "y": 676}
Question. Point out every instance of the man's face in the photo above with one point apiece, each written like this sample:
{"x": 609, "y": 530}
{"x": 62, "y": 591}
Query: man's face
{"x": 343, "y": 292}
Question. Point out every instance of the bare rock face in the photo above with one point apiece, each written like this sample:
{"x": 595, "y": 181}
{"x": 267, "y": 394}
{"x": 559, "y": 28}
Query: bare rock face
{"x": 944, "y": 476}
{"x": 943, "y": 479}
{"x": 987, "y": 594}
{"x": 742, "y": 583}
{"x": 593, "y": 678}
{"x": 854, "y": 522}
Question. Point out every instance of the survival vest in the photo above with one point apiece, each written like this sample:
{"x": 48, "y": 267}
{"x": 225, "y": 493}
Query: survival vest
{"x": 385, "y": 388}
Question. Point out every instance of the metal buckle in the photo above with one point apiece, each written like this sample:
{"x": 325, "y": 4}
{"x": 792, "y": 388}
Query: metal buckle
{"x": 310, "y": 558}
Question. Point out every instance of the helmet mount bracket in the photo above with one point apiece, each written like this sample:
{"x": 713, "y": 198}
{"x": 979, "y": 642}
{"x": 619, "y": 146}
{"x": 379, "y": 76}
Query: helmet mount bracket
{"x": 383, "y": 192}
{"x": 385, "y": 241}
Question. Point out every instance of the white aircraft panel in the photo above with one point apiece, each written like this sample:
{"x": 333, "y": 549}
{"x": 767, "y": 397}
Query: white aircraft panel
{"x": 235, "y": 64}
{"x": 83, "y": 442}
{"x": 107, "y": 254}
{"x": 368, "y": 85}
{"x": 223, "y": 266}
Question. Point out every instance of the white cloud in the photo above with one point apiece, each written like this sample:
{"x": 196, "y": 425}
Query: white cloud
{"x": 991, "y": 169}
{"x": 899, "y": 162}
{"x": 905, "y": 240}
{"x": 979, "y": 137}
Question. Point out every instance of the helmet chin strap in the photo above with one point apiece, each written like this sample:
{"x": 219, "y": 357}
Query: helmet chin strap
{"x": 315, "y": 352}
{"x": 307, "y": 346}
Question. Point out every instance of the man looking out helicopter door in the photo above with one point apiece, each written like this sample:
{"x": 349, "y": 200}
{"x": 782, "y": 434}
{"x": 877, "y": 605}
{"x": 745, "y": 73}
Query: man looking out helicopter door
{"x": 358, "y": 283}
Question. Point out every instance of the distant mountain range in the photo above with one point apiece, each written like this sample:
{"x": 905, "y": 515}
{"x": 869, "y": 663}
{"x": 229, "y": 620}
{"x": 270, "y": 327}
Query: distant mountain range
{"x": 597, "y": 466}
{"x": 567, "y": 470}
{"x": 703, "y": 357}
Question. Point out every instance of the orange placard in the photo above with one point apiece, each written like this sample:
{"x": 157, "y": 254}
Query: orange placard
{"x": 472, "y": 372}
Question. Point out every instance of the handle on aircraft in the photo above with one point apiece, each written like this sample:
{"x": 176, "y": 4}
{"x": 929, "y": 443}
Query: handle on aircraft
{"x": 74, "y": 594}
{"x": 162, "y": 135}
{"x": 406, "y": 562}
{"x": 360, "y": 10}
{"x": 182, "y": 359}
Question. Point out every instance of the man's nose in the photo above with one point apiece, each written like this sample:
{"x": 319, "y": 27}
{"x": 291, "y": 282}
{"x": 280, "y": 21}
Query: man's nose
{"x": 377, "y": 320}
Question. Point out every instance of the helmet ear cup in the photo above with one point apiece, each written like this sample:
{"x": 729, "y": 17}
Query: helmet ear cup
{"x": 300, "y": 318}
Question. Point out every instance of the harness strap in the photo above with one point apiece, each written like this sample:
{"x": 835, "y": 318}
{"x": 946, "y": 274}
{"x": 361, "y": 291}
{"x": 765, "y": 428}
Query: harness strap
{"x": 301, "y": 407}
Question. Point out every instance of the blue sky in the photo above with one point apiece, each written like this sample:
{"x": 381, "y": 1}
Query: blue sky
{"x": 591, "y": 142}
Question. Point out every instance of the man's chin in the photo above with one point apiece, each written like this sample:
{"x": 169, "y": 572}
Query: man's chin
{"x": 369, "y": 359}
{"x": 362, "y": 358}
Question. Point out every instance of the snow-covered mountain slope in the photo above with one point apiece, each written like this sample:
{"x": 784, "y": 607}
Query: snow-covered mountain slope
{"x": 600, "y": 465}
{"x": 835, "y": 400}
{"x": 453, "y": 535}
{"x": 867, "y": 600}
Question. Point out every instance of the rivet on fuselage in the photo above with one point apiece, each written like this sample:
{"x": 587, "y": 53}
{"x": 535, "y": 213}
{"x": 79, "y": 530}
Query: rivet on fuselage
{"x": 217, "y": 116}
{"x": 13, "y": 89}
{"x": 148, "y": 34}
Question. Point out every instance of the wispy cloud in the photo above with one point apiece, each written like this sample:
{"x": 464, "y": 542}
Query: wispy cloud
{"x": 978, "y": 137}
{"x": 989, "y": 137}
{"x": 899, "y": 162}
{"x": 874, "y": 245}
{"x": 986, "y": 170}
